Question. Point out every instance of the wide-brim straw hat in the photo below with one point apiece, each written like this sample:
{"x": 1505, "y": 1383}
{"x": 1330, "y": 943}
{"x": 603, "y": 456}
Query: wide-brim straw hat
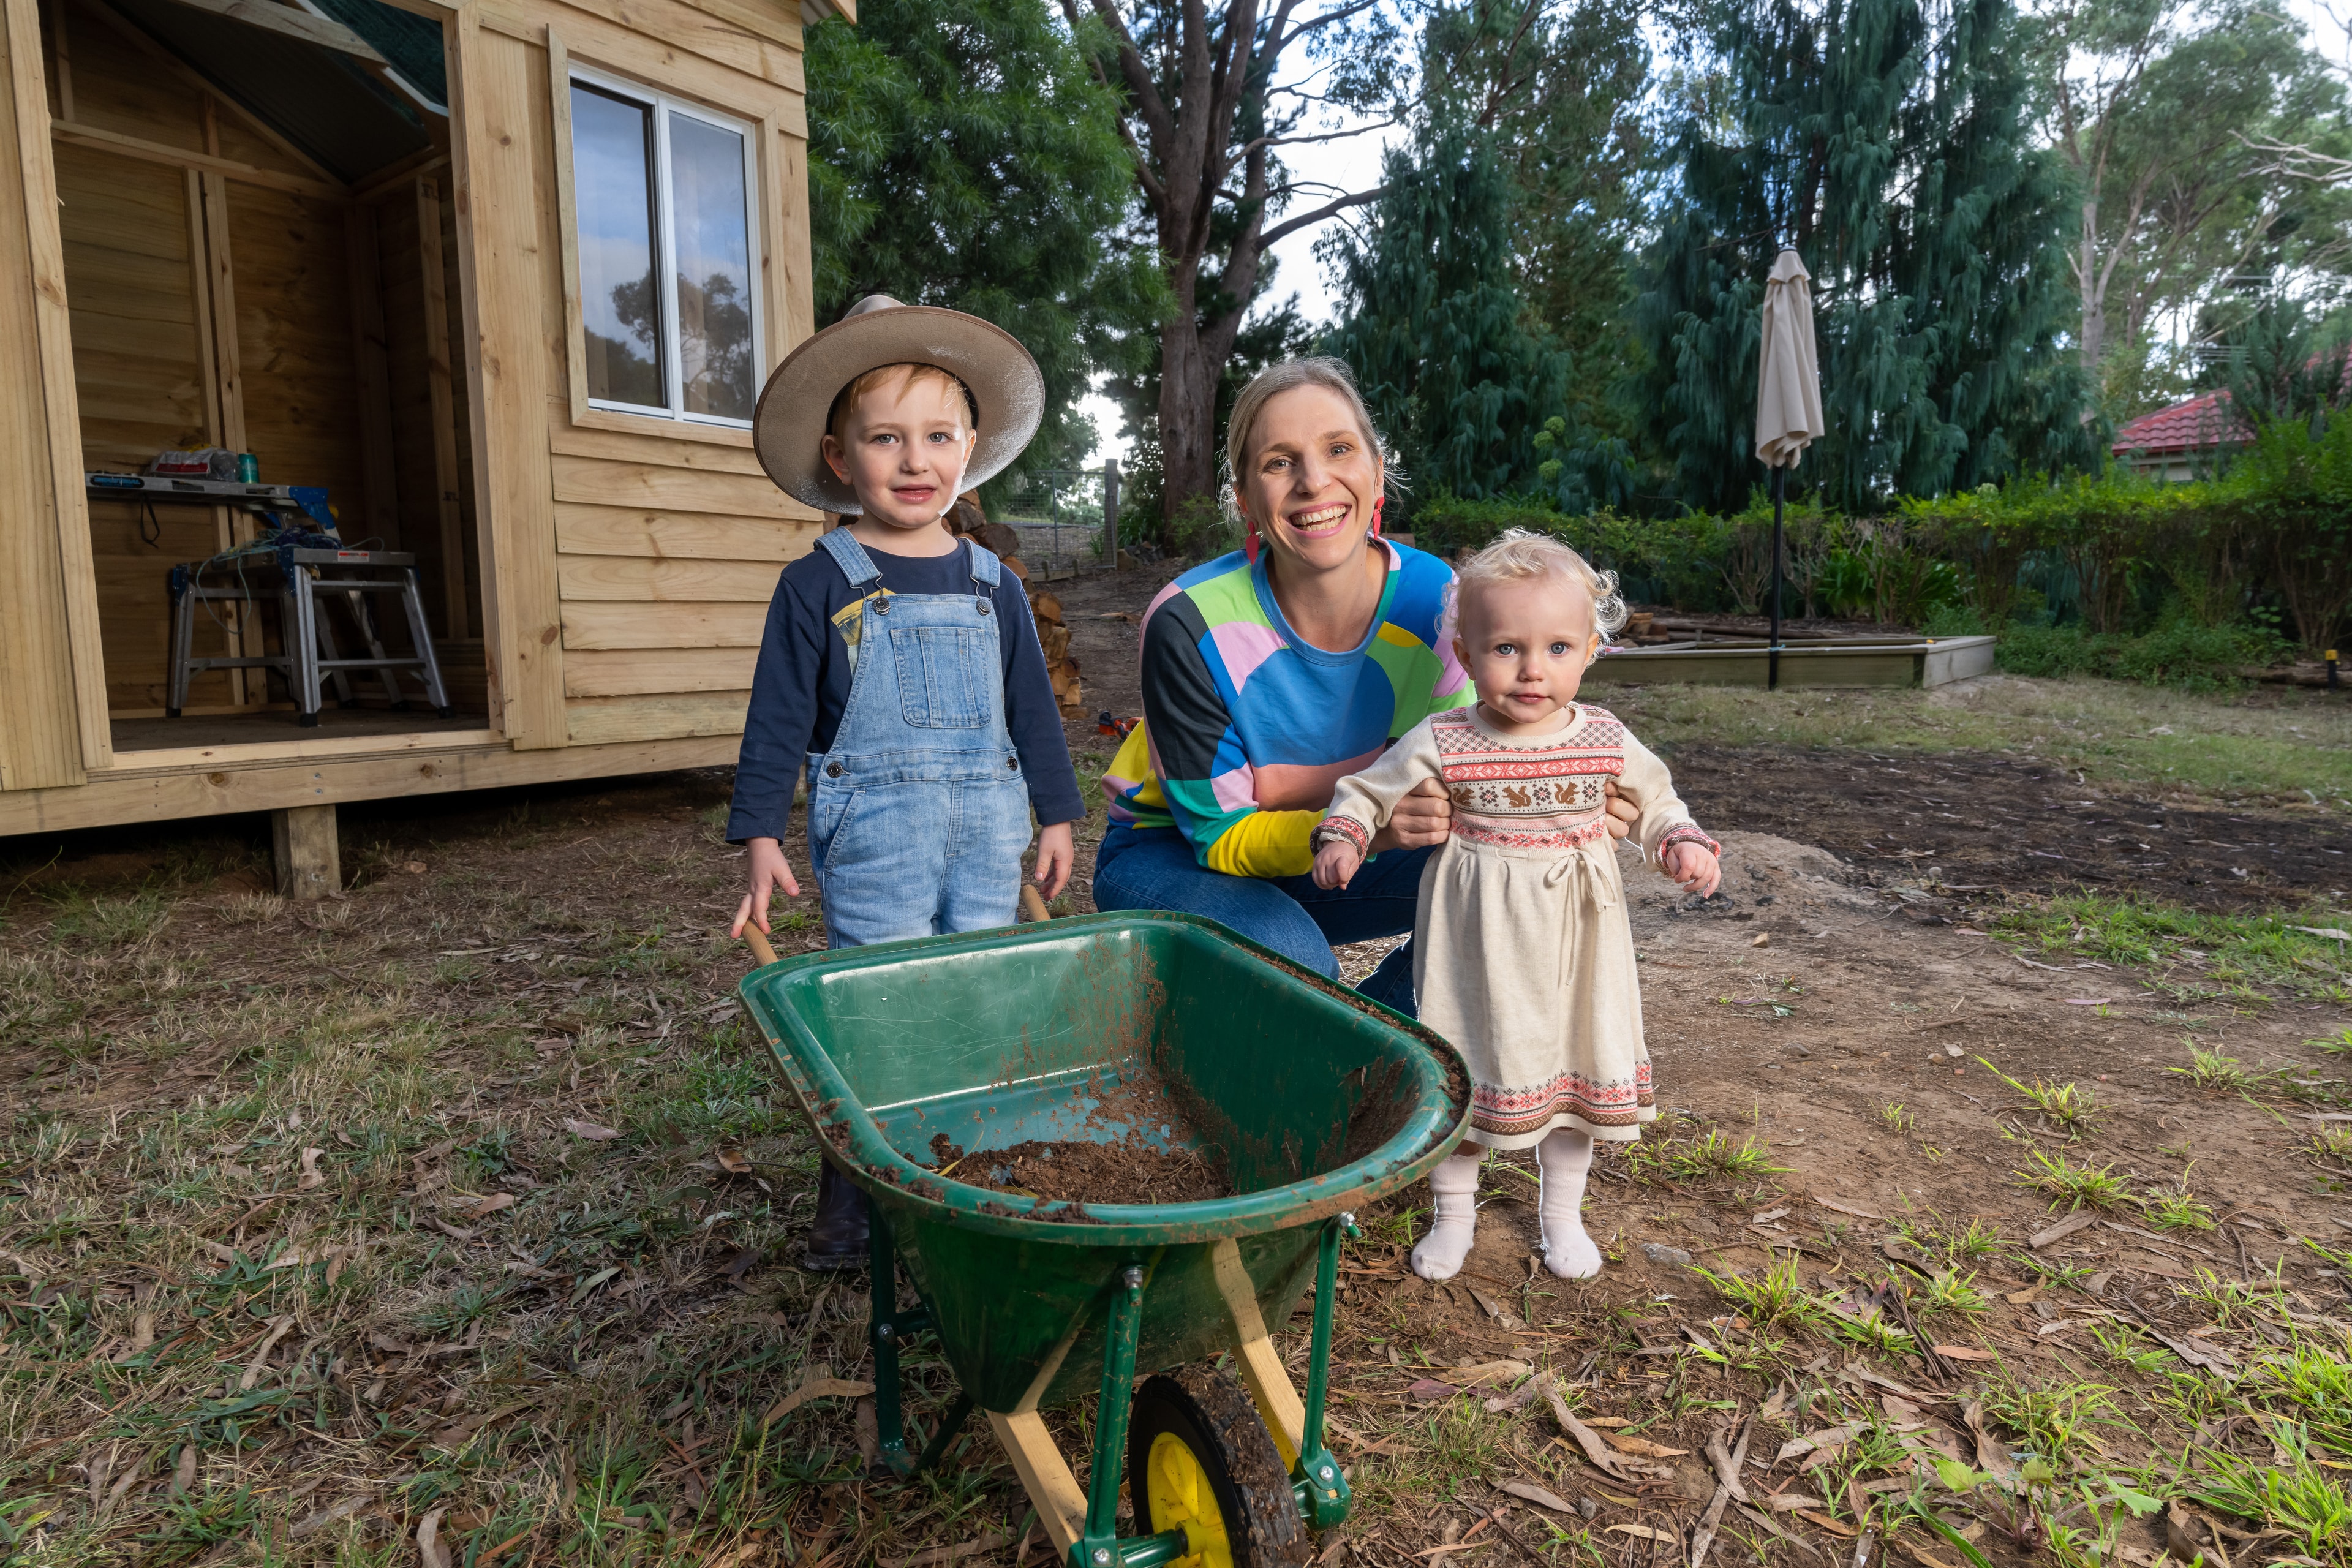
{"x": 1007, "y": 388}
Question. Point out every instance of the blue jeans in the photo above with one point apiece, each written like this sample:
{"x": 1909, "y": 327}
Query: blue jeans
{"x": 1154, "y": 869}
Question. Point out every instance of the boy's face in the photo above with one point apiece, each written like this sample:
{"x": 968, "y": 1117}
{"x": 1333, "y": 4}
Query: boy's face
{"x": 1524, "y": 645}
{"x": 904, "y": 447}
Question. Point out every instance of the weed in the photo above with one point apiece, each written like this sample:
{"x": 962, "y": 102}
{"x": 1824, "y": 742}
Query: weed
{"x": 2290, "y": 1495}
{"x": 1899, "y": 1119}
{"x": 2235, "y": 950}
{"x": 2177, "y": 1210}
{"x": 2227, "y": 1301}
{"x": 2125, "y": 1350}
{"x": 2336, "y": 1045}
{"x": 2219, "y": 1072}
{"x": 2059, "y": 1421}
{"x": 1953, "y": 1293}
{"x": 2332, "y": 1142}
{"x": 2068, "y": 1107}
{"x": 2076, "y": 1186}
{"x": 2316, "y": 1383}
{"x": 1775, "y": 1296}
{"x": 1713, "y": 1155}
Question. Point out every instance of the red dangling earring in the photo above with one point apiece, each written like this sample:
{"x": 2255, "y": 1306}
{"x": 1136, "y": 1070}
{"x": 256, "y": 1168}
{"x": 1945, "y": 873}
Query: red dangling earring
{"x": 1250, "y": 542}
{"x": 1378, "y": 502}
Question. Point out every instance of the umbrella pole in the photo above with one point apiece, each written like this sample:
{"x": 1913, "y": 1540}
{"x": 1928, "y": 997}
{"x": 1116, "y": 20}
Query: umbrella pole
{"x": 1772, "y": 654}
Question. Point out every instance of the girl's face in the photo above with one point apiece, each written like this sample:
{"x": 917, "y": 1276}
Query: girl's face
{"x": 1310, "y": 478}
{"x": 904, "y": 448}
{"x": 1526, "y": 644}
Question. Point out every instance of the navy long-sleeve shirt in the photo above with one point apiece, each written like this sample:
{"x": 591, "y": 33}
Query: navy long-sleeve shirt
{"x": 801, "y": 686}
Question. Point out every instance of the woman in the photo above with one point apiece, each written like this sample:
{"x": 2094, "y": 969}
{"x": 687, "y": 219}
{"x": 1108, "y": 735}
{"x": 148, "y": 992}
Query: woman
{"x": 1271, "y": 673}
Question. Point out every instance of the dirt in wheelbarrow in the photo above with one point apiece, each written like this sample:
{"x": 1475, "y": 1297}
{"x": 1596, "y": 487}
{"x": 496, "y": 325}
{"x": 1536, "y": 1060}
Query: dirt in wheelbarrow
{"x": 1127, "y": 1172}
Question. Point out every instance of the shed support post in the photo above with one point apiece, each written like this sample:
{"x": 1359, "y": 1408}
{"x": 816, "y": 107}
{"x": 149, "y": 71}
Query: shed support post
{"x": 310, "y": 859}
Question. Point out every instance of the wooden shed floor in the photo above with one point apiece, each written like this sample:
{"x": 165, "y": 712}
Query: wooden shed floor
{"x": 261, "y": 728}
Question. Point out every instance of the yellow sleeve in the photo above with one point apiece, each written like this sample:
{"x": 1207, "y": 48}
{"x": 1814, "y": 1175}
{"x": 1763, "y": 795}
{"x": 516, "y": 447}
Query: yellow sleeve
{"x": 1266, "y": 843}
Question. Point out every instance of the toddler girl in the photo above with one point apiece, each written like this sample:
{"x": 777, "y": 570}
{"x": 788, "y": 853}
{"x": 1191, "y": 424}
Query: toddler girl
{"x": 1523, "y": 957}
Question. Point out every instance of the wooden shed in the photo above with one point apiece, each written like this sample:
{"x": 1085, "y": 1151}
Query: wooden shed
{"x": 503, "y": 277}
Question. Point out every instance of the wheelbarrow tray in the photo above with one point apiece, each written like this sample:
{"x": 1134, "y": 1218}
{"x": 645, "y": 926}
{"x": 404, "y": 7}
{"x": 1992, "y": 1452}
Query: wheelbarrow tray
{"x": 1320, "y": 1102}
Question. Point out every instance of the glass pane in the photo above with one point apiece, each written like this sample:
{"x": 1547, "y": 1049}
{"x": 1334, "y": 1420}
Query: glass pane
{"x": 708, "y": 195}
{"x": 612, "y": 168}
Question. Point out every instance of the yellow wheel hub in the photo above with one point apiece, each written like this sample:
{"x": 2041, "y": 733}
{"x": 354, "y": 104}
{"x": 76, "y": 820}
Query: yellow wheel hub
{"x": 1177, "y": 1487}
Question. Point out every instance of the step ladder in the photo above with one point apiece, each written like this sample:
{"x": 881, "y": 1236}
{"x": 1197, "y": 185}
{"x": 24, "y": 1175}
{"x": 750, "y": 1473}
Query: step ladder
{"x": 303, "y": 583}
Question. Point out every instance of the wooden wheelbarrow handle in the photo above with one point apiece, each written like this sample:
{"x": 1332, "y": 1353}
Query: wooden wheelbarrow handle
{"x": 1031, "y": 904}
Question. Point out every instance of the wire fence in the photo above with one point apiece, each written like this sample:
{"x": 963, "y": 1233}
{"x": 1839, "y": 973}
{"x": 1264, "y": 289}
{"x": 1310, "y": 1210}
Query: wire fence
{"x": 1059, "y": 513}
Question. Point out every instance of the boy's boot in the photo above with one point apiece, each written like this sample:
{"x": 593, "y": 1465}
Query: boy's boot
{"x": 1454, "y": 1194}
{"x": 1565, "y": 1157}
{"x": 838, "y": 1238}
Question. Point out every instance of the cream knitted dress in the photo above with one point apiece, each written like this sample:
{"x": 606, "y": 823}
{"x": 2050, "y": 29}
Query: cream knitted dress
{"x": 1522, "y": 954}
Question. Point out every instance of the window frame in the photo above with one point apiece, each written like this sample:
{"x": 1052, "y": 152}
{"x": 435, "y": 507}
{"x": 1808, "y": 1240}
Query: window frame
{"x": 663, "y": 104}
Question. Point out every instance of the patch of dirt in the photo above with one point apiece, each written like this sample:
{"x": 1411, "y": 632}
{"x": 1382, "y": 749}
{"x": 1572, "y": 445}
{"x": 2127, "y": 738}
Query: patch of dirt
{"x": 1127, "y": 1172}
{"x": 1973, "y": 822}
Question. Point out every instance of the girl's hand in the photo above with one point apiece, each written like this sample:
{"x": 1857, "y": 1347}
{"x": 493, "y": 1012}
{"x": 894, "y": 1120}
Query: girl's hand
{"x": 1336, "y": 863}
{"x": 1424, "y": 817}
{"x": 1055, "y": 856}
{"x": 1619, "y": 814}
{"x": 768, "y": 870}
{"x": 1695, "y": 867}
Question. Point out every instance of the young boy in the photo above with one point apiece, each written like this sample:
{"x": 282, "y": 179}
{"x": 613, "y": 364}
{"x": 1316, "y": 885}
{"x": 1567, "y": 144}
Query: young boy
{"x": 900, "y": 667}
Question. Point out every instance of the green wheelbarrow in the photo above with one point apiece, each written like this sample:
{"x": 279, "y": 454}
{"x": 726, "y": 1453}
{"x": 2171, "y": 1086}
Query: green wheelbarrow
{"x": 1318, "y": 1101}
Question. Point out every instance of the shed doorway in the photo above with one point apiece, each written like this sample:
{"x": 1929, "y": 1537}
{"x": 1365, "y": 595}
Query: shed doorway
{"x": 260, "y": 245}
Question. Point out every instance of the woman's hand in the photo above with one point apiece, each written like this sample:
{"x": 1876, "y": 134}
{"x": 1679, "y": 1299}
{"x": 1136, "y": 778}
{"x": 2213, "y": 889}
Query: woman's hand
{"x": 1621, "y": 814}
{"x": 768, "y": 870}
{"x": 1055, "y": 856}
{"x": 1693, "y": 866}
{"x": 1336, "y": 863}
{"x": 1423, "y": 818}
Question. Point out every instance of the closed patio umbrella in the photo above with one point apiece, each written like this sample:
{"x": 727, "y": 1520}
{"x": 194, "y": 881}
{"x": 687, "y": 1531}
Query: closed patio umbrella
{"x": 1788, "y": 405}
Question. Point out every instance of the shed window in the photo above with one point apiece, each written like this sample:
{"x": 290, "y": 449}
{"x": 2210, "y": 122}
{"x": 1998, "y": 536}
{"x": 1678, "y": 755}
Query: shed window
{"x": 668, "y": 313}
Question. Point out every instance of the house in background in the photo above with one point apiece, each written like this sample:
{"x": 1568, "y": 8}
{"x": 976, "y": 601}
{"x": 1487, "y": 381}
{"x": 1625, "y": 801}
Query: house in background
{"x": 2182, "y": 442}
{"x": 504, "y": 279}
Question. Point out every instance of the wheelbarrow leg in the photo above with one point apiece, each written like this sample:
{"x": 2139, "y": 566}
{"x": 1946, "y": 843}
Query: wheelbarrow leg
{"x": 1099, "y": 1545}
{"x": 1317, "y": 1477}
{"x": 886, "y": 1328}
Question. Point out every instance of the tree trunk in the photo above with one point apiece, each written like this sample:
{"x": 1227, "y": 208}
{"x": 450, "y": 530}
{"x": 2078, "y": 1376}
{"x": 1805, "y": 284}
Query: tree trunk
{"x": 2094, "y": 308}
{"x": 1188, "y": 415}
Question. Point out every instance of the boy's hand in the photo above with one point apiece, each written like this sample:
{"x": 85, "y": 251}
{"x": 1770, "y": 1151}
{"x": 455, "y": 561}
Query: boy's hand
{"x": 768, "y": 869}
{"x": 1336, "y": 863}
{"x": 1695, "y": 867}
{"x": 1055, "y": 856}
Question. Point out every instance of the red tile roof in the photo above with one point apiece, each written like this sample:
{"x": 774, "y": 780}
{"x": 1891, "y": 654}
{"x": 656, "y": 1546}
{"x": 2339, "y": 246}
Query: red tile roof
{"x": 2198, "y": 424}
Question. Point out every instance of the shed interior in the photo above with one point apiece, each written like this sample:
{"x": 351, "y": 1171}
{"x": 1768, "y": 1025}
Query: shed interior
{"x": 261, "y": 254}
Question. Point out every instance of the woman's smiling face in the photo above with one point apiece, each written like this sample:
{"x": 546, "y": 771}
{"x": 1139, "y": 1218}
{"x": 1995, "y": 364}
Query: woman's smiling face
{"x": 1312, "y": 478}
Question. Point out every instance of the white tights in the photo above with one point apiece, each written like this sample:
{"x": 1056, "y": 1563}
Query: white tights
{"x": 1564, "y": 1157}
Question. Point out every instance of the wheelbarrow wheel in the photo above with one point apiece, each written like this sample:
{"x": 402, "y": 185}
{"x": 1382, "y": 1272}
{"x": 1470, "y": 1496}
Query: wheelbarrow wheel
{"x": 1198, "y": 1458}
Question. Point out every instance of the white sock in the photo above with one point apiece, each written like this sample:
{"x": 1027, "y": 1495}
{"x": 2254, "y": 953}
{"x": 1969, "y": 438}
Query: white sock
{"x": 1453, "y": 1197}
{"x": 1565, "y": 1157}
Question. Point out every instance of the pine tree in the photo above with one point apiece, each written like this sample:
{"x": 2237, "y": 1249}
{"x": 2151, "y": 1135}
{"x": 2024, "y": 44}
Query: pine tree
{"x": 1892, "y": 149}
{"x": 1434, "y": 325}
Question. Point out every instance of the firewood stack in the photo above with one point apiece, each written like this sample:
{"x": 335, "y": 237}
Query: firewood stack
{"x": 969, "y": 521}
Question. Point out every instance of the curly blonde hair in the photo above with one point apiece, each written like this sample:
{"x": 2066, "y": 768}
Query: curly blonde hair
{"x": 1521, "y": 553}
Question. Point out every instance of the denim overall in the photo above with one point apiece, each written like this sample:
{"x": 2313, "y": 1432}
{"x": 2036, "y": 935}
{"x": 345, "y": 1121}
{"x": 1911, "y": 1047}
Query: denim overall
{"x": 919, "y": 816}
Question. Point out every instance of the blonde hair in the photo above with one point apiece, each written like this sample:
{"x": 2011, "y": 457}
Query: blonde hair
{"x": 1332, "y": 375}
{"x": 1520, "y": 554}
{"x": 886, "y": 374}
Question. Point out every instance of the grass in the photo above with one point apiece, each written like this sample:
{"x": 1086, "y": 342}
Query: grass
{"x": 1775, "y": 1296}
{"x": 2075, "y": 1186}
{"x": 2177, "y": 1208}
{"x": 2219, "y": 1072}
{"x": 1898, "y": 1117}
{"x": 2068, "y": 1107}
{"x": 2295, "y": 1497}
{"x": 2220, "y": 953}
{"x": 1712, "y": 1156}
{"x": 1953, "y": 1294}
{"x": 2285, "y": 745}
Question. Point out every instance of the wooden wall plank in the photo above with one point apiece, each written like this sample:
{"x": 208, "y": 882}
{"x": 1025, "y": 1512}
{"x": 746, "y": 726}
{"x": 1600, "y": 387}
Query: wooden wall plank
{"x": 662, "y": 42}
{"x": 431, "y": 269}
{"x": 622, "y": 626}
{"x": 597, "y": 481}
{"x": 41, "y": 717}
{"x": 567, "y": 226}
{"x": 649, "y": 673}
{"x": 619, "y": 579}
{"x": 505, "y": 219}
{"x": 787, "y": 255}
{"x": 599, "y": 720}
{"x": 293, "y": 331}
{"x": 659, "y": 448}
{"x": 679, "y": 535}
{"x": 371, "y": 361}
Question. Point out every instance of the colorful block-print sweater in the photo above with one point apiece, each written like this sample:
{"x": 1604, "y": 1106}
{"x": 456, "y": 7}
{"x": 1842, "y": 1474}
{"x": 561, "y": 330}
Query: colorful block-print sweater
{"x": 1247, "y": 727}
